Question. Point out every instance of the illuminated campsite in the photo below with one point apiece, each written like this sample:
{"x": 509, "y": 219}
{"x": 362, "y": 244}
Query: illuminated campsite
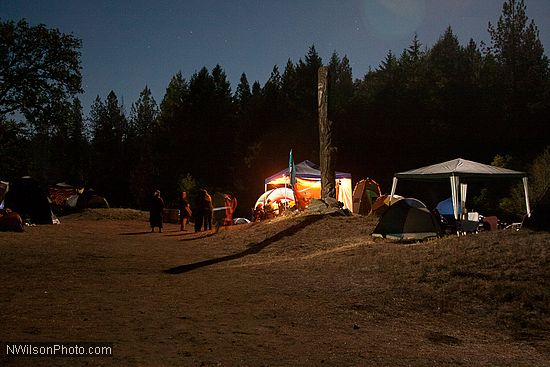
{"x": 302, "y": 214}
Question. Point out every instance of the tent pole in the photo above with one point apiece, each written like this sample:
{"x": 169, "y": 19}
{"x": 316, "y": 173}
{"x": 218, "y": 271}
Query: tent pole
{"x": 463, "y": 191}
{"x": 286, "y": 200}
{"x": 454, "y": 191}
{"x": 393, "y": 187}
{"x": 526, "y": 190}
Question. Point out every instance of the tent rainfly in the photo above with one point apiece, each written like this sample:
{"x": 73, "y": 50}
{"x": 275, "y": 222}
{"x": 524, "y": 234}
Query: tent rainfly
{"x": 308, "y": 182}
{"x": 458, "y": 170}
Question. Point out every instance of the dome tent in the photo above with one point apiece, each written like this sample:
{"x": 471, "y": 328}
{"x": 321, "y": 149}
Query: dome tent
{"x": 281, "y": 194}
{"x": 408, "y": 219}
{"x": 365, "y": 194}
{"x": 27, "y": 198}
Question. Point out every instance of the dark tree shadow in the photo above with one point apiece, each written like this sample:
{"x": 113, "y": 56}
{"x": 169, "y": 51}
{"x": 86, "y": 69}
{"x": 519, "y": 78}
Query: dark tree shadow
{"x": 179, "y": 234}
{"x": 253, "y": 249}
{"x": 134, "y": 233}
{"x": 203, "y": 234}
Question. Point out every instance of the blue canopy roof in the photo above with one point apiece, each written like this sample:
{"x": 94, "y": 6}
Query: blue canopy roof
{"x": 306, "y": 170}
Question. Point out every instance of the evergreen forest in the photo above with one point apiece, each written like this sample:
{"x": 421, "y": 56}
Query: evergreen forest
{"x": 422, "y": 105}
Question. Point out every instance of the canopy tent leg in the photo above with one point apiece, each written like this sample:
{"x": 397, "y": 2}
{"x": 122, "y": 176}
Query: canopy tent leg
{"x": 455, "y": 182}
{"x": 526, "y": 191}
{"x": 463, "y": 192}
{"x": 393, "y": 187}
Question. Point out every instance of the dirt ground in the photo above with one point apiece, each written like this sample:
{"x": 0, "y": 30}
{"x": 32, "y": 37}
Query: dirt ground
{"x": 307, "y": 290}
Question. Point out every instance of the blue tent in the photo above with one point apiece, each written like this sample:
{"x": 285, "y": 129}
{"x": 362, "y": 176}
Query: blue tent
{"x": 445, "y": 207}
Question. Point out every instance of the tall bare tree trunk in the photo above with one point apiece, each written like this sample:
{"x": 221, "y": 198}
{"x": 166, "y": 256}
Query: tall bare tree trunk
{"x": 327, "y": 153}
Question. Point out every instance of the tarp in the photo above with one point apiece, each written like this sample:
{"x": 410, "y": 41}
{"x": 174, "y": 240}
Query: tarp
{"x": 308, "y": 183}
{"x": 445, "y": 207}
{"x": 461, "y": 169}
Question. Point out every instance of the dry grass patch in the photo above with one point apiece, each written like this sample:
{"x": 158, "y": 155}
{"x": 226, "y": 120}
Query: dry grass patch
{"x": 303, "y": 290}
{"x": 109, "y": 214}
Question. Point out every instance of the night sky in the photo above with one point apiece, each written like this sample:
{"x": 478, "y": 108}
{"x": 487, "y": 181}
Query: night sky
{"x": 130, "y": 44}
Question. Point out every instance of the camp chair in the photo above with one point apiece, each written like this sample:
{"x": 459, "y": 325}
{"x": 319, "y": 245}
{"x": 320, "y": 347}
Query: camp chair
{"x": 469, "y": 225}
{"x": 516, "y": 226}
{"x": 446, "y": 223}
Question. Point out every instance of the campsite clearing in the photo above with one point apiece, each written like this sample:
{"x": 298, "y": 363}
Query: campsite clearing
{"x": 302, "y": 290}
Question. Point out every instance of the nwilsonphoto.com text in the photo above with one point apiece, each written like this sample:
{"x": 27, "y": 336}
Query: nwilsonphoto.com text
{"x": 58, "y": 349}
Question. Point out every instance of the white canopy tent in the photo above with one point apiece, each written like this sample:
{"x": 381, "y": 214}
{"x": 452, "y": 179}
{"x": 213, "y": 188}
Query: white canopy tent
{"x": 458, "y": 170}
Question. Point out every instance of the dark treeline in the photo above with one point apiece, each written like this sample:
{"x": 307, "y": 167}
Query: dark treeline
{"x": 418, "y": 107}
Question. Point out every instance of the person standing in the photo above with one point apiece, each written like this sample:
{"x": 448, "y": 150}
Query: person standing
{"x": 230, "y": 206}
{"x": 156, "y": 211}
{"x": 208, "y": 211}
{"x": 185, "y": 210}
{"x": 199, "y": 210}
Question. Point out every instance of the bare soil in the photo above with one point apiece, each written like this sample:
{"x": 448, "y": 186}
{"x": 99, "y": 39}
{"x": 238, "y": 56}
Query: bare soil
{"x": 303, "y": 290}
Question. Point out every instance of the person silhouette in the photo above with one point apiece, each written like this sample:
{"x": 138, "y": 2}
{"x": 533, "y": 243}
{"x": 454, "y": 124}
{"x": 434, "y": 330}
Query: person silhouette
{"x": 156, "y": 211}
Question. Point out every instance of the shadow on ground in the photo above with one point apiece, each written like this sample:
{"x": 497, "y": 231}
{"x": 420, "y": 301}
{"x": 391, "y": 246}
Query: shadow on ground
{"x": 134, "y": 233}
{"x": 253, "y": 249}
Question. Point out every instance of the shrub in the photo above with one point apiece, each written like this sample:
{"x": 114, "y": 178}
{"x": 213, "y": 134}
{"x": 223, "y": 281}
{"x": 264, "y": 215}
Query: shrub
{"x": 539, "y": 182}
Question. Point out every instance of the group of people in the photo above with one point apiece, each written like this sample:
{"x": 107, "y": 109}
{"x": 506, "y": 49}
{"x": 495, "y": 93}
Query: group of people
{"x": 269, "y": 211}
{"x": 202, "y": 213}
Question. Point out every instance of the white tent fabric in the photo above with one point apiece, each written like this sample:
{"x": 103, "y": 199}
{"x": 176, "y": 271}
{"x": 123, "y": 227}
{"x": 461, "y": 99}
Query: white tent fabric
{"x": 463, "y": 191}
{"x": 345, "y": 192}
{"x": 454, "y": 194}
{"x": 282, "y": 193}
{"x": 461, "y": 169}
{"x": 526, "y": 193}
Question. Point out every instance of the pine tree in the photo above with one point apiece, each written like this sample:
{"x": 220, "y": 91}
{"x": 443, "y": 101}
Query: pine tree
{"x": 341, "y": 84}
{"x": 243, "y": 93}
{"x": 173, "y": 134}
{"x": 521, "y": 77}
{"x": 78, "y": 150}
{"x": 306, "y": 128}
{"x": 49, "y": 140}
{"x": 110, "y": 162}
{"x": 143, "y": 126}
{"x": 14, "y": 150}
{"x": 212, "y": 118}
{"x": 144, "y": 115}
